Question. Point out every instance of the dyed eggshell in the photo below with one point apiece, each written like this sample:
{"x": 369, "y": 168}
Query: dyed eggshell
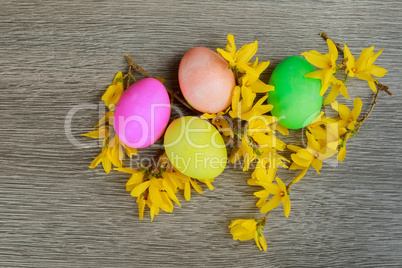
{"x": 205, "y": 80}
{"x": 195, "y": 148}
{"x": 142, "y": 113}
{"x": 296, "y": 99}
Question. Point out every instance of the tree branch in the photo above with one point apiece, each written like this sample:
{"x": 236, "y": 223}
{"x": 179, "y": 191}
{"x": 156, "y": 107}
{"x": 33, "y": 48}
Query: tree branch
{"x": 173, "y": 94}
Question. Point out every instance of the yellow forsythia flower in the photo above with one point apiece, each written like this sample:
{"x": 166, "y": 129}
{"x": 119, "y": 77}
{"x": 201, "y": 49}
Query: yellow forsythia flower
{"x": 363, "y": 68}
{"x": 313, "y": 154}
{"x": 347, "y": 123}
{"x": 348, "y": 117}
{"x": 251, "y": 81}
{"x": 246, "y": 229}
{"x": 338, "y": 86}
{"x": 326, "y": 62}
{"x": 114, "y": 91}
{"x": 239, "y": 59}
{"x": 280, "y": 196}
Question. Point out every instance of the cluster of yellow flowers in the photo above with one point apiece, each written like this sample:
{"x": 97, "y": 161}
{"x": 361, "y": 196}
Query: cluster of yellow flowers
{"x": 112, "y": 148}
{"x": 363, "y": 68}
{"x": 326, "y": 136}
{"x": 251, "y": 133}
{"x": 156, "y": 185}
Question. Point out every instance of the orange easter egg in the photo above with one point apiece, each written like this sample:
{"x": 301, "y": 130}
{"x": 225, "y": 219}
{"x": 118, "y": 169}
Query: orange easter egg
{"x": 206, "y": 80}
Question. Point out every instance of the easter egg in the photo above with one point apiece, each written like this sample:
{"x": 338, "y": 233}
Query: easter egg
{"x": 195, "y": 148}
{"x": 142, "y": 113}
{"x": 296, "y": 99}
{"x": 206, "y": 80}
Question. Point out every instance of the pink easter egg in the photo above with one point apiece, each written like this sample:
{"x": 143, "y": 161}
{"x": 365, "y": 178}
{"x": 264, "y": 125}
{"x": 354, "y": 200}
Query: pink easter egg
{"x": 142, "y": 113}
{"x": 205, "y": 80}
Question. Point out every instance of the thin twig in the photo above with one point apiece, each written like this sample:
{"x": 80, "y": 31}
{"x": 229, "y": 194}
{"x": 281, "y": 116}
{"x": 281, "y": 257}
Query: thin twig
{"x": 360, "y": 123}
{"x": 338, "y": 46}
{"x": 148, "y": 75}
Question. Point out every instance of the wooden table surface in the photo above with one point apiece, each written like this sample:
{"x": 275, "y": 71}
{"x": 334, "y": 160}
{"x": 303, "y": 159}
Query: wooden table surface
{"x": 59, "y": 56}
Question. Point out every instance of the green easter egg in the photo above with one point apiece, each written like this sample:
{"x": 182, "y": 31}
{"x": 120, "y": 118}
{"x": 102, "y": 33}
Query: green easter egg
{"x": 296, "y": 99}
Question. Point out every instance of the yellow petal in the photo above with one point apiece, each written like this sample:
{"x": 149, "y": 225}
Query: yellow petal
{"x": 283, "y": 130}
{"x": 248, "y": 96}
{"x": 97, "y": 160}
{"x": 300, "y": 161}
{"x": 271, "y": 204}
{"x": 271, "y": 188}
{"x": 317, "y": 59}
{"x": 263, "y": 242}
{"x": 107, "y": 164}
{"x": 343, "y": 110}
{"x": 362, "y": 61}
{"x": 130, "y": 151}
{"x": 342, "y": 154}
{"x": 350, "y": 60}
{"x": 134, "y": 180}
{"x": 294, "y": 147}
{"x": 282, "y": 186}
{"x": 286, "y": 205}
{"x": 106, "y": 118}
{"x": 256, "y": 240}
{"x": 155, "y": 195}
{"x": 305, "y": 154}
{"x": 196, "y": 186}
{"x": 316, "y": 74}
{"x": 378, "y": 71}
{"x": 333, "y": 51}
{"x": 317, "y": 164}
{"x": 208, "y": 183}
{"x": 245, "y": 53}
{"x": 207, "y": 116}
{"x": 260, "y": 87}
{"x": 139, "y": 189}
{"x": 365, "y": 76}
{"x": 260, "y": 67}
{"x": 344, "y": 91}
{"x": 99, "y": 133}
{"x": 333, "y": 93}
{"x": 373, "y": 58}
{"x": 115, "y": 155}
{"x": 235, "y": 222}
{"x": 160, "y": 79}
{"x": 166, "y": 204}
{"x": 294, "y": 166}
{"x": 300, "y": 176}
{"x": 231, "y": 46}
{"x": 187, "y": 191}
{"x": 312, "y": 143}
{"x": 372, "y": 86}
{"x": 226, "y": 56}
{"x": 357, "y": 108}
{"x": 141, "y": 207}
{"x": 127, "y": 170}
{"x": 235, "y": 101}
{"x": 170, "y": 191}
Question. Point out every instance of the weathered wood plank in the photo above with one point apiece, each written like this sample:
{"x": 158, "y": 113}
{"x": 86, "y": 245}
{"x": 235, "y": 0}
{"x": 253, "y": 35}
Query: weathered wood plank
{"x": 56, "y": 212}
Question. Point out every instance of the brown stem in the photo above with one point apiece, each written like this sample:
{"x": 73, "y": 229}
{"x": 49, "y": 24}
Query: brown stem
{"x": 148, "y": 75}
{"x": 384, "y": 88}
{"x": 338, "y": 46}
{"x": 360, "y": 123}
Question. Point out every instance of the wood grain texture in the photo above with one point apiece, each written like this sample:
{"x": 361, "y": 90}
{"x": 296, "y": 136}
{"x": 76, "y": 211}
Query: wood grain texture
{"x": 55, "y": 212}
